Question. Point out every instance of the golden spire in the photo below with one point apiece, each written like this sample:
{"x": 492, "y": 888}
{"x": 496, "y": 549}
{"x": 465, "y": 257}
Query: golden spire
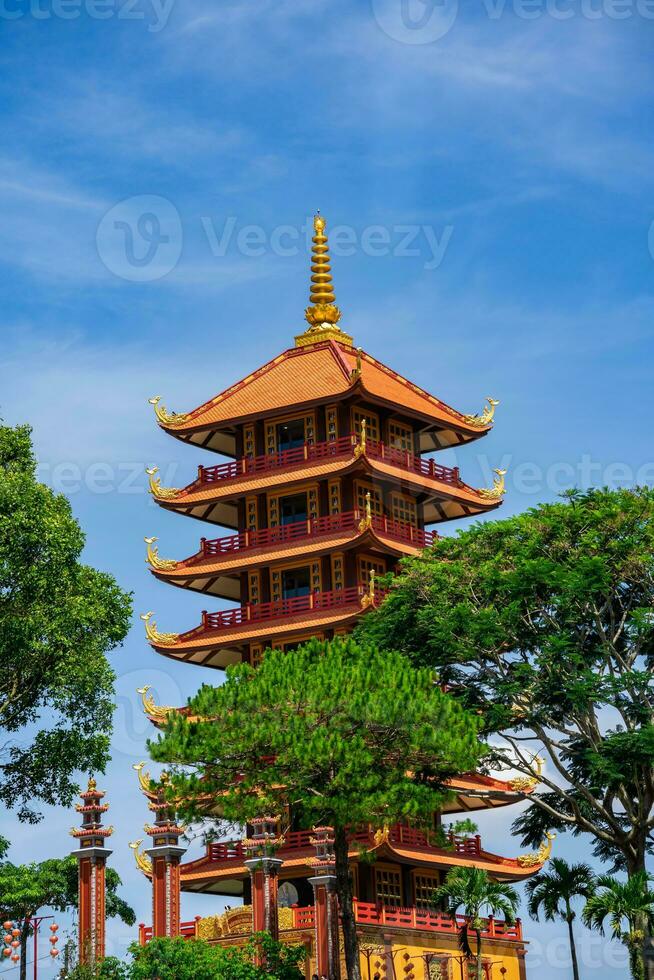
{"x": 323, "y": 315}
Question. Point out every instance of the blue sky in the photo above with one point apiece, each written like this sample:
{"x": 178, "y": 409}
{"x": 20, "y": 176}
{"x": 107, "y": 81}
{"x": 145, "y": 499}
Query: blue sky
{"x": 503, "y": 145}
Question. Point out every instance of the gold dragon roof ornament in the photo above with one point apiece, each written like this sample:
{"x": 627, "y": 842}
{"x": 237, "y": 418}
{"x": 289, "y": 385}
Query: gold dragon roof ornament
{"x": 164, "y": 417}
{"x": 523, "y": 784}
{"x": 153, "y": 634}
{"x": 497, "y": 491}
{"x": 145, "y": 783}
{"x": 540, "y": 856}
{"x": 143, "y": 862}
{"x": 157, "y": 711}
{"x": 161, "y": 493}
{"x": 486, "y": 416}
{"x": 154, "y": 560}
{"x": 323, "y": 314}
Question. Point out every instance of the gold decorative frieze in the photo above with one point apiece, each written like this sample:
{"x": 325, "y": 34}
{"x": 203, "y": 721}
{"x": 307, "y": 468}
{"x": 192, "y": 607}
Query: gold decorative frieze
{"x": 497, "y": 491}
{"x": 153, "y": 559}
{"x": 164, "y": 417}
{"x": 486, "y": 416}
{"x": 153, "y": 634}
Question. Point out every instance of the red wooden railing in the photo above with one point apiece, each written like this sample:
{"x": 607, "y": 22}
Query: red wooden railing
{"x": 295, "y": 840}
{"x": 337, "y": 448}
{"x": 314, "y": 527}
{"x": 369, "y": 913}
{"x": 281, "y": 609}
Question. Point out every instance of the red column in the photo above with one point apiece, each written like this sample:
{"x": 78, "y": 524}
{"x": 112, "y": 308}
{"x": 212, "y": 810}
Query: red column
{"x": 91, "y": 862}
{"x": 165, "y": 855}
{"x": 328, "y": 959}
{"x": 264, "y": 875}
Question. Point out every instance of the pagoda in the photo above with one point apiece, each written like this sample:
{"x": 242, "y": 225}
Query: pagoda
{"x": 331, "y": 480}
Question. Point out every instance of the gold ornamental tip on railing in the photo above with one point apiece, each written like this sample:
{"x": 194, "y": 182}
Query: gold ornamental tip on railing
{"x": 497, "y": 491}
{"x": 486, "y": 416}
{"x": 323, "y": 314}
{"x": 153, "y": 559}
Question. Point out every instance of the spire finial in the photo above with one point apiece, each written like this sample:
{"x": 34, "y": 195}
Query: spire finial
{"x": 322, "y": 315}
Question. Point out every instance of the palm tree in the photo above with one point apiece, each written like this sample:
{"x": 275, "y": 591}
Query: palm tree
{"x": 628, "y": 902}
{"x": 555, "y": 891}
{"x": 473, "y": 892}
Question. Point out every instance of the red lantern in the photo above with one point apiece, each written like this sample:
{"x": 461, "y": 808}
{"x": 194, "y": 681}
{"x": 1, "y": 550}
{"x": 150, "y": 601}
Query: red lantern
{"x": 53, "y": 939}
{"x": 15, "y": 958}
{"x": 6, "y": 951}
{"x": 54, "y": 952}
{"x": 7, "y": 926}
{"x": 54, "y": 927}
{"x": 15, "y": 932}
{"x": 7, "y": 938}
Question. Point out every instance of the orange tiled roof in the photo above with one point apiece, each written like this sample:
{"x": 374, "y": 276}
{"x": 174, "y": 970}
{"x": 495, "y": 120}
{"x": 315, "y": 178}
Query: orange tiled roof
{"x": 319, "y": 372}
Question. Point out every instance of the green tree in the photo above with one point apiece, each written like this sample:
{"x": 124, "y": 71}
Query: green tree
{"x": 349, "y": 734}
{"x": 543, "y": 622}
{"x": 183, "y": 959}
{"x": 555, "y": 891}
{"x": 58, "y": 619}
{"x": 27, "y": 888}
{"x": 473, "y": 893}
{"x": 630, "y": 908}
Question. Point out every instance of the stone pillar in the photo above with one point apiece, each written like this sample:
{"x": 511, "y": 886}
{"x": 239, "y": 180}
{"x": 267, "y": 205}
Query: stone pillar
{"x": 91, "y": 863}
{"x": 165, "y": 855}
{"x": 264, "y": 874}
{"x": 328, "y": 957}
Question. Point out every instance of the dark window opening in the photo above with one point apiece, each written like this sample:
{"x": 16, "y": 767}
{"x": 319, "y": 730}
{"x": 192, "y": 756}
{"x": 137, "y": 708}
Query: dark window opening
{"x": 296, "y": 582}
{"x": 290, "y": 434}
{"x": 292, "y": 509}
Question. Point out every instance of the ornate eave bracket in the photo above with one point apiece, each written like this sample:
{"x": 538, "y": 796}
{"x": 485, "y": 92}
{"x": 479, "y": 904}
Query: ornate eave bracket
{"x": 540, "y": 856}
{"x": 497, "y": 491}
{"x": 486, "y": 417}
{"x": 154, "y": 560}
{"x": 157, "y": 711}
{"x": 153, "y": 634}
{"x": 167, "y": 418}
{"x": 157, "y": 491}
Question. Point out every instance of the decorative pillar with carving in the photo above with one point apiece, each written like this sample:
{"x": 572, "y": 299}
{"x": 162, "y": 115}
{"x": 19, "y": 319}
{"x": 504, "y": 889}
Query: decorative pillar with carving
{"x": 91, "y": 863}
{"x": 328, "y": 957}
{"x": 165, "y": 855}
{"x": 264, "y": 874}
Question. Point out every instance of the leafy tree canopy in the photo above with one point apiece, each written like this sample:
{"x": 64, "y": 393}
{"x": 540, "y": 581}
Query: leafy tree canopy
{"x": 347, "y": 734}
{"x": 58, "y": 619}
{"x": 544, "y": 623}
{"x": 183, "y": 959}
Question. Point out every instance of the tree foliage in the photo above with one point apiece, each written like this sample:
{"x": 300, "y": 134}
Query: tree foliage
{"x": 347, "y": 734}
{"x": 184, "y": 959}
{"x": 629, "y": 907}
{"x": 473, "y": 893}
{"x": 544, "y": 623}
{"x": 58, "y": 619}
{"x": 554, "y": 891}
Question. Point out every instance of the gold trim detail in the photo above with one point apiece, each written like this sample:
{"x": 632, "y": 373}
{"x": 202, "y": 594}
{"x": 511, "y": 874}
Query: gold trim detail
{"x": 157, "y": 711}
{"x": 323, "y": 314}
{"x": 366, "y": 521}
{"x": 153, "y": 634}
{"x": 368, "y": 598}
{"x": 540, "y": 856}
{"x": 360, "y": 448}
{"x": 497, "y": 491}
{"x": 381, "y": 836}
{"x": 522, "y": 784}
{"x": 164, "y": 417}
{"x": 144, "y": 777}
{"x": 153, "y": 559}
{"x": 161, "y": 493}
{"x": 486, "y": 416}
{"x": 143, "y": 862}
{"x": 355, "y": 374}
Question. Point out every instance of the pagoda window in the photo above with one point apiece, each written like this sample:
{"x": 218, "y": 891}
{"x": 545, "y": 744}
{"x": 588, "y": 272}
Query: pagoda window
{"x": 400, "y": 436}
{"x": 424, "y": 886}
{"x": 331, "y": 422}
{"x": 367, "y": 564}
{"x": 388, "y": 886}
{"x": 296, "y": 582}
{"x": 372, "y": 423}
{"x": 290, "y": 434}
{"x": 293, "y": 509}
{"x": 376, "y": 502}
{"x": 404, "y": 509}
{"x": 334, "y": 496}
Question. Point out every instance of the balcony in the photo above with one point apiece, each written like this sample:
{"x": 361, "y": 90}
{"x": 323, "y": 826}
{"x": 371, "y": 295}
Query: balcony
{"x": 310, "y": 530}
{"x": 228, "y": 619}
{"x": 221, "y": 852}
{"x": 372, "y": 914}
{"x": 317, "y": 451}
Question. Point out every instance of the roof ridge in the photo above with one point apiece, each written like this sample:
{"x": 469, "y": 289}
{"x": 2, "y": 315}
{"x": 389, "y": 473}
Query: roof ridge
{"x": 340, "y": 359}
